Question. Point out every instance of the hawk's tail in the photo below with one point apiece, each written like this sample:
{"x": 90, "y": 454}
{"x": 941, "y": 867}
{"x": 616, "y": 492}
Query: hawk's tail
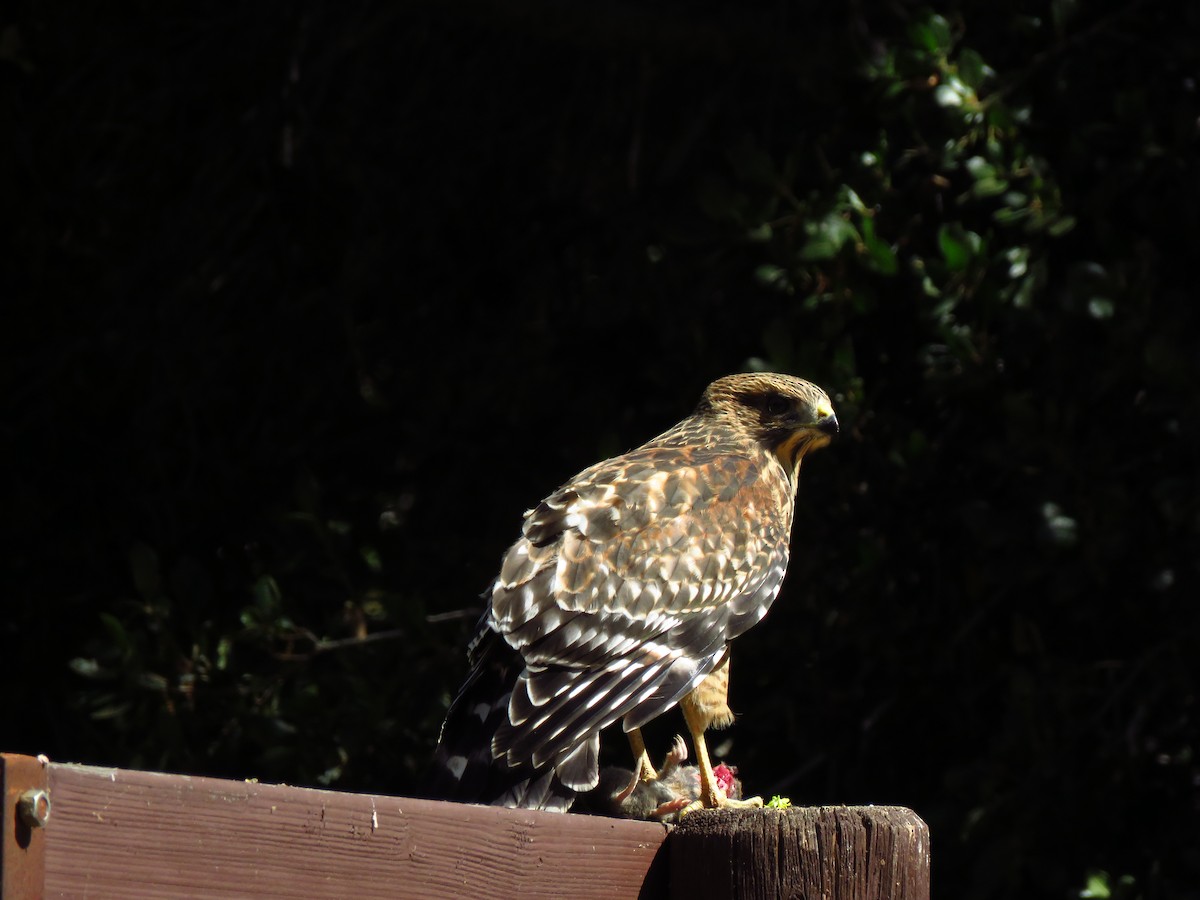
{"x": 463, "y": 768}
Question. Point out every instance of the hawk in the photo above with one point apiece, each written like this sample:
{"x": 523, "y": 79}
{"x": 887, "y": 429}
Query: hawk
{"x": 620, "y": 597}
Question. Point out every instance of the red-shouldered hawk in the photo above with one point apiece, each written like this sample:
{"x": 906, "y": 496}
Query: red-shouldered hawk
{"x": 622, "y": 593}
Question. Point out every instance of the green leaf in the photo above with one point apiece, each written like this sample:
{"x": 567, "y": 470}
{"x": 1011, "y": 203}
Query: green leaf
{"x": 978, "y": 167}
{"x": 151, "y": 681}
{"x": 371, "y": 557}
{"x": 827, "y": 237}
{"x": 116, "y": 631}
{"x": 266, "y": 594}
{"x": 1018, "y": 261}
{"x": 1009, "y": 216}
{"x": 880, "y": 255}
{"x": 989, "y": 187}
{"x": 759, "y": 234}
{"x": 972, "y": 69}
{"x": 111, "y": 710}
{"x": 1060, "y": 226}
{"x": 941, "y": 31}
{"x": 955, "y": 246}
{"x": 855, "y": 201}
{"x": 1022, "y": 297}
{"x": 1097, "y": 886}
{"x": 772, "y": 276}
{"x": 933, "y": 34}
{"x": 947, "y": 95}
{"x": 922, "y": 35}
{"x": 88, "y": 668}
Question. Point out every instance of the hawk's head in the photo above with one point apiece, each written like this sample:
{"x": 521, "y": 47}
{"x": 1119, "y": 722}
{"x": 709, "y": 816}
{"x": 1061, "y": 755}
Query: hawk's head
{"x": 788, "y": 416}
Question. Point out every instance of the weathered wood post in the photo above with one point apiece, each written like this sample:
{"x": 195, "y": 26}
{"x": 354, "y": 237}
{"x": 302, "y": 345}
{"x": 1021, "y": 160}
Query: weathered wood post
{"x": 23, "y": 840}
{"x": 826, "y": 852}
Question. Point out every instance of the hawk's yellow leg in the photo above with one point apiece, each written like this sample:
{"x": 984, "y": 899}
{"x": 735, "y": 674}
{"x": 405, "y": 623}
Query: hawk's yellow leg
{"x": 641, "y": 765}
{"x": 708, "y": 705}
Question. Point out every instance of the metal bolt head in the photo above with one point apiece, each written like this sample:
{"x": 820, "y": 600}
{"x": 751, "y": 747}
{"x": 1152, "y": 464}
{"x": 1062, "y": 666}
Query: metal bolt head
{"x": 34, "y": 807}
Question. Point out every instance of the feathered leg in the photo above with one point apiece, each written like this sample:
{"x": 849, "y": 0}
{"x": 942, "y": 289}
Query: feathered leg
{"x": 708, "y": 705}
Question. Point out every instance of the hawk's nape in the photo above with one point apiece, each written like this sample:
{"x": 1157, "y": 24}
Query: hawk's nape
{"x": 624, "y": 589}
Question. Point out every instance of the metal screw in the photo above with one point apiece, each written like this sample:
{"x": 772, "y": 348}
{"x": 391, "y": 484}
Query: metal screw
{"x": 34, "y": 807}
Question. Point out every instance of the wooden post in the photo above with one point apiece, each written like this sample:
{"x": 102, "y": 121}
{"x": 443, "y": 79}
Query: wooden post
{"x": 826, "y": 852}
{"x": 23, "y": 841}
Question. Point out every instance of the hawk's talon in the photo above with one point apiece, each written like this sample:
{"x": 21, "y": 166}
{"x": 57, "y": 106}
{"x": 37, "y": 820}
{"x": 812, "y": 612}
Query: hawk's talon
{"x": 691, "y": 807}
{"x": 747, "y": 803}
{"x": 723, "y": 802}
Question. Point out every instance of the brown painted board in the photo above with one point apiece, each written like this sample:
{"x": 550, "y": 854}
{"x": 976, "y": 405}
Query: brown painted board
{"x": 120, "y": 833}
{"x": 22, "y": 849}
{"x": 830, "y": 852}
{"x": 117, "y": 833}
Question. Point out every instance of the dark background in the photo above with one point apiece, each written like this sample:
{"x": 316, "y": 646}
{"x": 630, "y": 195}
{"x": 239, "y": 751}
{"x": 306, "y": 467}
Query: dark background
{"x": 305, "y": 303}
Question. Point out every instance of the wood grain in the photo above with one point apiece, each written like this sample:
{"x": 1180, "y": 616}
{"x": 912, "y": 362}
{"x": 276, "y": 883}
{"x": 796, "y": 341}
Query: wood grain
{"x": 118, "y": 833}
{"x": 22, "y": 849}
{"x": 828, "y": 852}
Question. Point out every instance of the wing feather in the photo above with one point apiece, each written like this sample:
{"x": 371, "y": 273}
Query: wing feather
{"x": 623, "y": 590}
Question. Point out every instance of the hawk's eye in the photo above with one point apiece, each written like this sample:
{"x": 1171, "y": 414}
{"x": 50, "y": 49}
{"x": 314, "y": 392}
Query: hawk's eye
{"x": 776, "y": 405}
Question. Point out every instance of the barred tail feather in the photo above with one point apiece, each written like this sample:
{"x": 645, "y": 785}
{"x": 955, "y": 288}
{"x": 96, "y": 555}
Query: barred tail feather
{"x": 463, "y": 768}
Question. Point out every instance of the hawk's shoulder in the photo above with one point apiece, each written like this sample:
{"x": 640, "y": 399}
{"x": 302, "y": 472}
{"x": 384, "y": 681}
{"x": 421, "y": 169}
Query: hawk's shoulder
{"x": 660, "y": 535}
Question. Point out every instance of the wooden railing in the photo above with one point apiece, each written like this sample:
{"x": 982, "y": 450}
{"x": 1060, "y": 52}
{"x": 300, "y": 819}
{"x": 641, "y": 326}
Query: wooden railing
{"x": 84, "y": 831}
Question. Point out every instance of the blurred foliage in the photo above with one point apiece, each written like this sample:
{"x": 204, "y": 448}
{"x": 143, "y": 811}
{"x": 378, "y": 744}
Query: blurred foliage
{"x": 306, "y": 302}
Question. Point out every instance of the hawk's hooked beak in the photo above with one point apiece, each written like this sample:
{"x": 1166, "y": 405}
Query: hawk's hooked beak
{"x": 826, "y": 422}
{"x": 811, "y": 435}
